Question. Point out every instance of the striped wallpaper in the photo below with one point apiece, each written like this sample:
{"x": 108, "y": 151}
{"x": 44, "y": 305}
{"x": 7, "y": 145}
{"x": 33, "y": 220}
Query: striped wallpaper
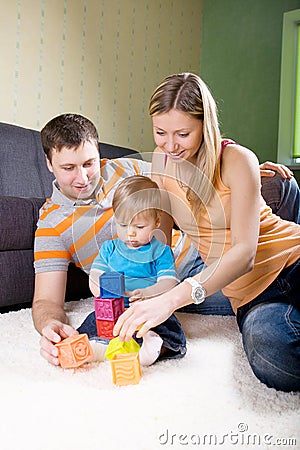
{"x": 100, "y": 58}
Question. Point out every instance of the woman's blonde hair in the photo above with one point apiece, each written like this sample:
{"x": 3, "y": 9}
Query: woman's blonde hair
{"x": 136, "y": 195}
{"x": 186, "y": 92}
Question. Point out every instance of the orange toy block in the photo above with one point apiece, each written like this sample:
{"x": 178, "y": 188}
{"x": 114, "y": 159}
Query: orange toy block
{"x": 105, "y": 328}
{"x": 126, "y": 369}
{"x": 74, "y": 351}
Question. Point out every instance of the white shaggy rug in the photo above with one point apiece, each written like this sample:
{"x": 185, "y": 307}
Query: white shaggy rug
{"x": 209, "y": 399}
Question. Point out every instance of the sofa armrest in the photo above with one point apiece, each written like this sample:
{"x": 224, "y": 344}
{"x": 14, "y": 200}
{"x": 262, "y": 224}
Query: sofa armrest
{"x": 18, "y": 219}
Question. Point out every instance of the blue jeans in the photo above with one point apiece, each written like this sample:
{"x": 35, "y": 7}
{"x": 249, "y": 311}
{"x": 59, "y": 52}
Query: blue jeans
{"x": 283, "y": 197}
{"x": 270, "y": 327}
{"x": 215, "y": 304}
{"x": 170, "y": 331}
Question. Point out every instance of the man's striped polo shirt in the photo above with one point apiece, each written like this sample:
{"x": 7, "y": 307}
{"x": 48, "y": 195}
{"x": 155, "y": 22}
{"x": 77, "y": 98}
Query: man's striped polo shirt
{"x": 73, "y": 231}
{"x": 70, "y": 230}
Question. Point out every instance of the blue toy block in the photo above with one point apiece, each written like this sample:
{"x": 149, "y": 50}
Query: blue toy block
{"x": 111, "y": 285}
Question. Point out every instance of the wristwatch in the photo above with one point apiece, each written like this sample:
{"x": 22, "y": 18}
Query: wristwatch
{"x": 198, "y": 292}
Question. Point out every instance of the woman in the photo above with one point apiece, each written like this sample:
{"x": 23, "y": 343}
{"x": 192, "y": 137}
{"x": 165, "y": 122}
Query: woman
{"x": 213, "y": 190}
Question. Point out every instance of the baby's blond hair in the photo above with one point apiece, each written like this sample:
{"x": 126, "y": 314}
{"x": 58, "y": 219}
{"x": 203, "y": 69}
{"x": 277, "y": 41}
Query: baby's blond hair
{"x": 136, "y": 195}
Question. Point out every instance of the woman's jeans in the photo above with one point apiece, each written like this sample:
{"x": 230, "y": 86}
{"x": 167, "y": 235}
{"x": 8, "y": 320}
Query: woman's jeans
{"x": 270, "y": 327}
{"x": 270, "y": 324}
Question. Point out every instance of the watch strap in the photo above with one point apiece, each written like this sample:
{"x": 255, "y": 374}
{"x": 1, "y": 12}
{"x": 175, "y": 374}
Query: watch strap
{"x": 193, "y": 282}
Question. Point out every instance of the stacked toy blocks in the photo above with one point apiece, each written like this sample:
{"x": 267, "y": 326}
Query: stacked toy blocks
{"x": 124, "y": 356}
{"x": 74, "y": 351}
{"x": 126, "y": 369}
{"x": 110, "y": 304}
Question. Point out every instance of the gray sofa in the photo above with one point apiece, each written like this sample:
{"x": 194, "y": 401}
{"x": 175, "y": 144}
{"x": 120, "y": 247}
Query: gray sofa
{"x": 25, "y": 183}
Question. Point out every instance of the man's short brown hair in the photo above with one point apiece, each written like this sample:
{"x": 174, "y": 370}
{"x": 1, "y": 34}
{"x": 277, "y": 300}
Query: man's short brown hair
{"x": 67, "y": 130}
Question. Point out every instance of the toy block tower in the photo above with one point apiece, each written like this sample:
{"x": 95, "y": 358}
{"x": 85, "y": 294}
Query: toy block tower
{"x": 74, "y": 351}
{"x": 110, "y": 305}
{"x": 126, "y": 369}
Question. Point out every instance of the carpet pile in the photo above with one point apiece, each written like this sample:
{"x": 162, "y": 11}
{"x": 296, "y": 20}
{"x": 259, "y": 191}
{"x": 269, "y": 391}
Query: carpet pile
{"x": 209, "y": 399}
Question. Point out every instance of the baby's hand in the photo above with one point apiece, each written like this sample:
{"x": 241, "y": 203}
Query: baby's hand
{"x": 136, "y": 295}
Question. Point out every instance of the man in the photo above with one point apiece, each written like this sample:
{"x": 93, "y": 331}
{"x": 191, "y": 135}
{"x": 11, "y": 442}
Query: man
{"x": 78, "y": 218}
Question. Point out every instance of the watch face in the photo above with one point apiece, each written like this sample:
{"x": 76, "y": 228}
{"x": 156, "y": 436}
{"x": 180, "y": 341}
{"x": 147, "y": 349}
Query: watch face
{"x": 199, "y": 294}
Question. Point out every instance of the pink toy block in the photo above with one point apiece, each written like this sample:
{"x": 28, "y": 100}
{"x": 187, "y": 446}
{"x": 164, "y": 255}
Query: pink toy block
{"x": 105, "y": 328}
{"x": 126, "y": 369}
{"x": 108, "y": 308}
{"x": 74, "y": 351}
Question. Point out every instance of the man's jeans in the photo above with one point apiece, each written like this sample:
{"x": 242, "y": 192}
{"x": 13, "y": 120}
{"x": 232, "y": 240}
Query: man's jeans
{"x": 270, "y": 326}
{"x": 283, "y": 197}
{"x": 170, "y": 331}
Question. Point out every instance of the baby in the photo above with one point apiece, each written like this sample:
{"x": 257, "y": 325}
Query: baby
{"x": 147, "y": 264}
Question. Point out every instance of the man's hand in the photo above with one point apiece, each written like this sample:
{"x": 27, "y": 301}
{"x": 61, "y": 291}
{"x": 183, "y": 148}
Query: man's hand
{"x": 53, "y": 333}
{"x": 269, "y": 169}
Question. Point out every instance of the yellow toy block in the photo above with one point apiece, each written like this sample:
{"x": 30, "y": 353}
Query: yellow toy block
{"x": 126, "y": 369}
{"x": 116, "y": 346}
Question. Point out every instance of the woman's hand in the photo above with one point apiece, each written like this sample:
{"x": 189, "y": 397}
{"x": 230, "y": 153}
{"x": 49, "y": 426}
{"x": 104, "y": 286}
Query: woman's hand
{"x": 145, "y": 314}
{"x": 268, "y": 169}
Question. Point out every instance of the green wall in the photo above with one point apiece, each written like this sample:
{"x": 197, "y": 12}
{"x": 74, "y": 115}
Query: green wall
{"x": 240, "y": 61}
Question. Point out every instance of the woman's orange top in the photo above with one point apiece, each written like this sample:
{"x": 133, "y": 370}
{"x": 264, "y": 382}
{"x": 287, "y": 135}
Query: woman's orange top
{"x": 278, "y": 243}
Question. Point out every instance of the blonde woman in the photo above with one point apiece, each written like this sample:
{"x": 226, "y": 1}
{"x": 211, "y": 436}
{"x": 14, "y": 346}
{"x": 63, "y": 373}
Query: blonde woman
{"x": 213, "y": 191}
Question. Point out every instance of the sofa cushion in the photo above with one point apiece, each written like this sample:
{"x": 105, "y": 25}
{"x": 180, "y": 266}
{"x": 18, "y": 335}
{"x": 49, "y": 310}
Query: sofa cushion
{"x": 18, "y": 218}
{"x": 112, "y": 151}
{"x": 23, "y": 169}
